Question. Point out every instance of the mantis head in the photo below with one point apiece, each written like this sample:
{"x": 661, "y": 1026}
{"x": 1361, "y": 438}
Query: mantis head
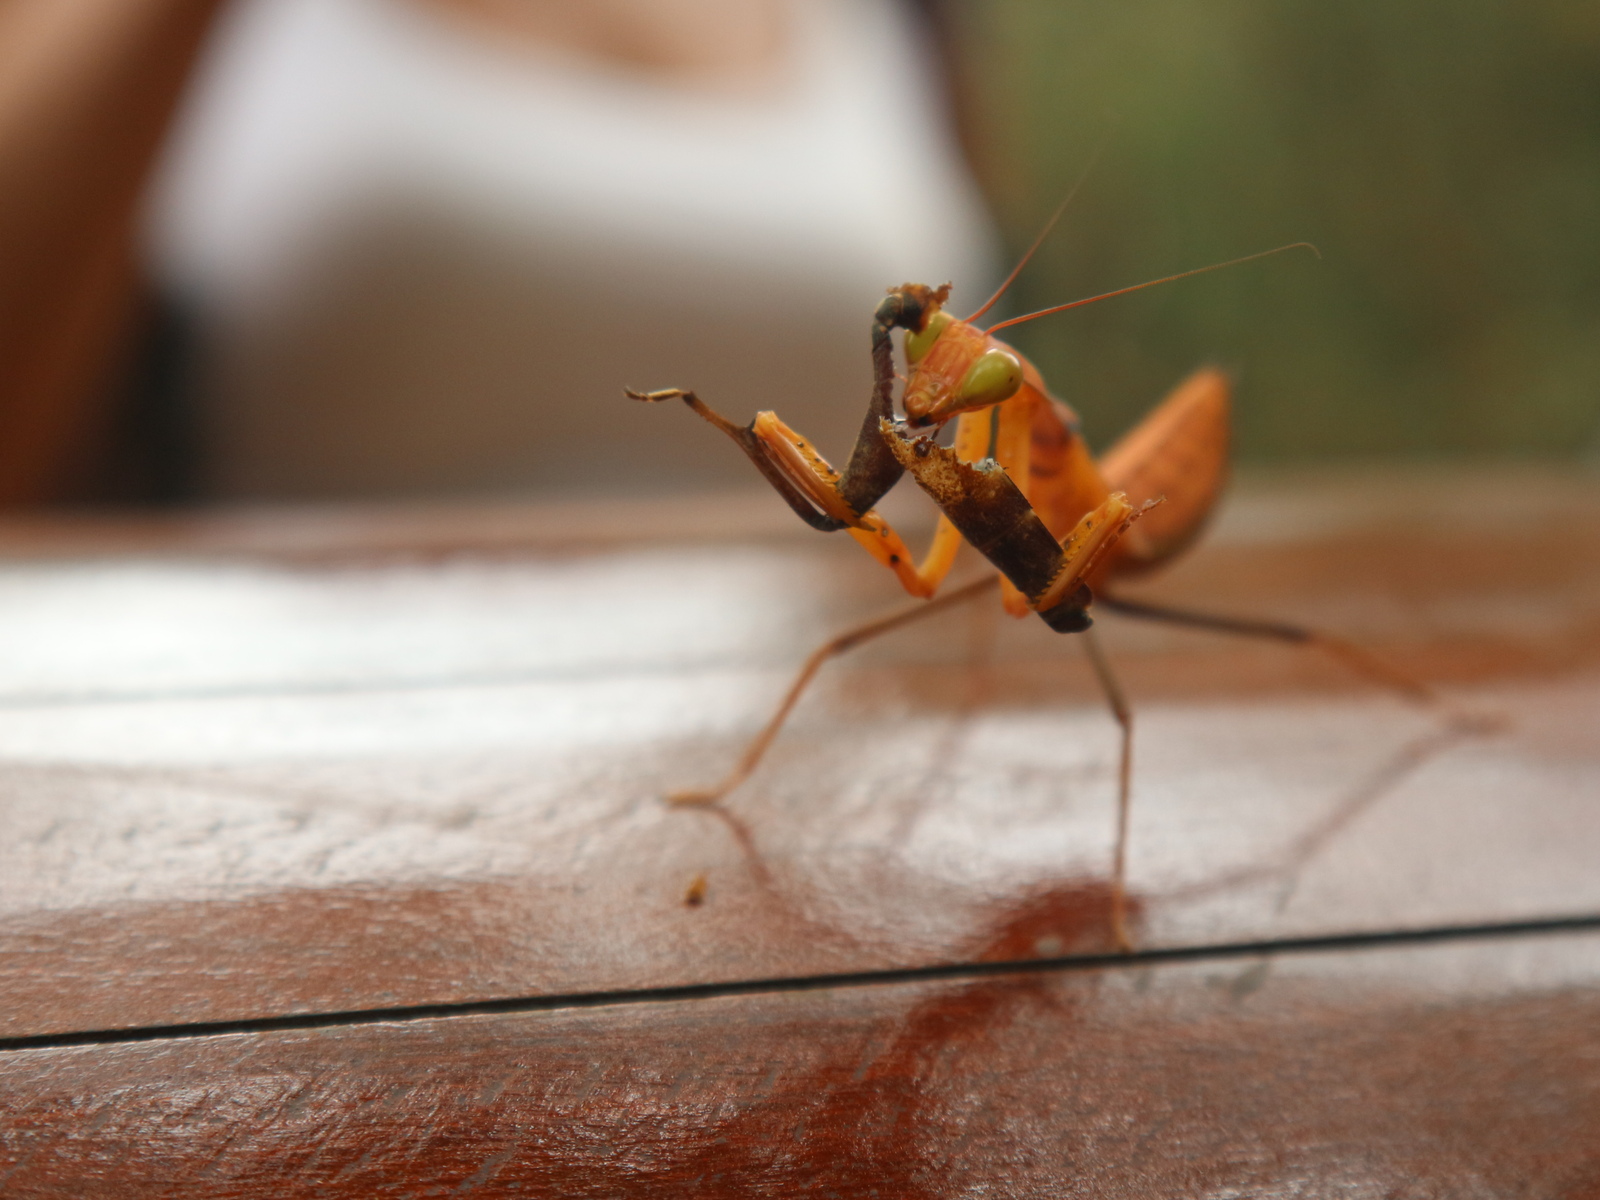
{"x": 955, "y": 367}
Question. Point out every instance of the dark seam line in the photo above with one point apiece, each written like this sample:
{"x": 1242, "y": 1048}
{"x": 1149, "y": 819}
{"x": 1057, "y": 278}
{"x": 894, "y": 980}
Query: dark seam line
{"x": 950, "y": 972}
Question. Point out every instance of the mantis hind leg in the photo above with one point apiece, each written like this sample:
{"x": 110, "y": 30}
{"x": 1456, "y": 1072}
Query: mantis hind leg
{"x": 1362, "y": 662}
{"x": 1460, "y": 723}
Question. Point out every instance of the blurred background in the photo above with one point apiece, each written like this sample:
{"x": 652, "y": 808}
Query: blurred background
{"x": 309, "y": 249}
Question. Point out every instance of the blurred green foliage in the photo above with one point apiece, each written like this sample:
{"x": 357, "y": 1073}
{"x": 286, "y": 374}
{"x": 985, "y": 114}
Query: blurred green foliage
{"x": 1445, "y": 157}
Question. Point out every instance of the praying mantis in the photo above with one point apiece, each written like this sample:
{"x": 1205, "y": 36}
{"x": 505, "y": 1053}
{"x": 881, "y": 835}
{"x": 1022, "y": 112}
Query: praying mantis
{"x": 1019, "y": 484}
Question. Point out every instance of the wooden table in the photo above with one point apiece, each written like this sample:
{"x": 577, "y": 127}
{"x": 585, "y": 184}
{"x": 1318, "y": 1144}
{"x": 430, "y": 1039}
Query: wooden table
{"x": 333, "y": 862}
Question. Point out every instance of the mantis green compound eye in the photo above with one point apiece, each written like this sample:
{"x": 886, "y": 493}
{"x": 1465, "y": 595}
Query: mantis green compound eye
{"x": 996, "y": 376}
{"x": 918, "y": 344}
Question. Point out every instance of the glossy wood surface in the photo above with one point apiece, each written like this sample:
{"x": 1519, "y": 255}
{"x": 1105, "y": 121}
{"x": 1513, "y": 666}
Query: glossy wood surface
{"x": 1441, "y": 1072}
{"x": 268, "y": 765}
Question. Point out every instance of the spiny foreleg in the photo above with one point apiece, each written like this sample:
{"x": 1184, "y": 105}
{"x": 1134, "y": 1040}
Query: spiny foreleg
{"x": 824, "y": 498}
{"x": 991, "y": 512}
{"x": 748, "y": 438}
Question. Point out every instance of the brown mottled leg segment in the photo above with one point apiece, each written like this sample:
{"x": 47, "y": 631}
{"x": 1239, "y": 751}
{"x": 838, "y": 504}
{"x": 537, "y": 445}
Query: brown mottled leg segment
{"x": 986, "y": 506}
{"x": 872, "y": 469}
{"x": 884, "y": 544}
{"x": 991, "y": 512}
{"x": 848, "y": 640}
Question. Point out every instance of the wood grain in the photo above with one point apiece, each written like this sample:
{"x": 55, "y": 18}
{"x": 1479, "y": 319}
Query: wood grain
{"x": 329, "y": 770}
{"x": 1416, "y": 1072}
{"x": 262, "y": 768}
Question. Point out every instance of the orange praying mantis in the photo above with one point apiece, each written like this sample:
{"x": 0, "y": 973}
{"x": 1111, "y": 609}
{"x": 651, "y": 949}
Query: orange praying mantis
{"x": 1019, "y": 484}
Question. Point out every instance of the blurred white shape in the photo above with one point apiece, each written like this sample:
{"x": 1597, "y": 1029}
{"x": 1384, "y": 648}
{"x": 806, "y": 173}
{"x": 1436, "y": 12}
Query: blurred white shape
{"x": 424, "y": 260}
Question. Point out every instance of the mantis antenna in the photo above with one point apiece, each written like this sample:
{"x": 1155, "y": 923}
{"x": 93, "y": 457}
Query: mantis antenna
{"x": 1232, "y": 262}
{"x": 1045, "y": 232}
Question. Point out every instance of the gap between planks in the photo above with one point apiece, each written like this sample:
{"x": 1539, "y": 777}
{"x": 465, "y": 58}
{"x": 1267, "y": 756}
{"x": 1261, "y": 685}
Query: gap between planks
{"x": 951, "y": 971}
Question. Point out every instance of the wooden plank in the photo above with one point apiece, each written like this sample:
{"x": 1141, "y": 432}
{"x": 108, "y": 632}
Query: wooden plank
{"x": 262, "y": 785}
{"x": 1448, "y": 1070}
{"x": 1484, "y": 575}
{"x": 166, "y": 891}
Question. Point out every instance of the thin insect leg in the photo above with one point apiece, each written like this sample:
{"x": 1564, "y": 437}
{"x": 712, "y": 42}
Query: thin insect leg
{"x": 745, "y": 438}
{"x": 1460, "y": 724}
{"x": 847, "y": 640}
{"x": 843, "y": 497}
{"x": 1352, "y": 656}
{"x": 1123, "y": 712}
